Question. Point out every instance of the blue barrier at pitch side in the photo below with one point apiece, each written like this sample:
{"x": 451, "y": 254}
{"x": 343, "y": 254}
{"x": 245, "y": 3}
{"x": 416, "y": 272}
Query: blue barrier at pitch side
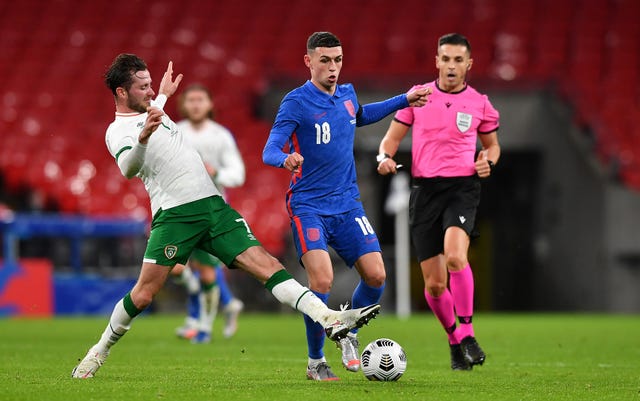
{"x": 75, "y": 293}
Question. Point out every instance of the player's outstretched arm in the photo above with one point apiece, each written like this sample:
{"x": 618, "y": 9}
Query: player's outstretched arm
{"x": 374, "y": 112}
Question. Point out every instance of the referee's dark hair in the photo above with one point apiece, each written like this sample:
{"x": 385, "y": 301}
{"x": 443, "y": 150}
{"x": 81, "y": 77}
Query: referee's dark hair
{"x": 454, "y": 39}
{"x": 322, "y": 39}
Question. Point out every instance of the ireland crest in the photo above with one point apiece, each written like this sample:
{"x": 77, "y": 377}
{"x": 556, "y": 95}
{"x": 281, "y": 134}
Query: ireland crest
{"x": 170, "y": 251}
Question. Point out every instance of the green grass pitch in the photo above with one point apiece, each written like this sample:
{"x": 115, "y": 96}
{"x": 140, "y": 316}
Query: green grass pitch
{"x": 529, "y": 357}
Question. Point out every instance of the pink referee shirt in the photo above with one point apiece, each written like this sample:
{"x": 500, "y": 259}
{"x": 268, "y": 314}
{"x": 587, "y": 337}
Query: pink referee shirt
{"x": 445, "y": 131}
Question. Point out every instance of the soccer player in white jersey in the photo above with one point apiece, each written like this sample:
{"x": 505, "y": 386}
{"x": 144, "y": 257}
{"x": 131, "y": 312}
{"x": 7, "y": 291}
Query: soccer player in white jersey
{"x": 188, "y": 212}
{"x": 445, "y": 191}
{"x": 224, "y": 164}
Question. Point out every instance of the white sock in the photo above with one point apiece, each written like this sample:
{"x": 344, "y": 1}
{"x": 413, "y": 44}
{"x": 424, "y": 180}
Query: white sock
{"x": 314, "y": 362}
{"x": 292, "y": 293}
{"x": 209, "y": 300}
{"x": 190, "y": 280}
{"x": 119, "y": 324}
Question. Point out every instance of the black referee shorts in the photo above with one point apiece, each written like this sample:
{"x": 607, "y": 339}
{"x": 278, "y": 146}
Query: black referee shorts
{"x": 437, "y": 204}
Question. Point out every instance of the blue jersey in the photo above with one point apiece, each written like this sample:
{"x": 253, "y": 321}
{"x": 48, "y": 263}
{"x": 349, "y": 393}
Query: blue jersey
{"x": 321, "y": 127}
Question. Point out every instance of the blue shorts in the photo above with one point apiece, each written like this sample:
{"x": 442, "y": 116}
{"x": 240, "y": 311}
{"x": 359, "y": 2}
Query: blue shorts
{"x": 350, "y": 234}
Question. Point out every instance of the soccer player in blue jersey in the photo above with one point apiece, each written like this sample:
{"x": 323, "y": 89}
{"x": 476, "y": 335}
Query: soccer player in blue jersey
{"x": 318, "y": 120}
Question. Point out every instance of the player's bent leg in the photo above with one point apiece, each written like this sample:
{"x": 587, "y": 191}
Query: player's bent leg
{"x": 151, "y": 279}
{"x": 287, "y": 290}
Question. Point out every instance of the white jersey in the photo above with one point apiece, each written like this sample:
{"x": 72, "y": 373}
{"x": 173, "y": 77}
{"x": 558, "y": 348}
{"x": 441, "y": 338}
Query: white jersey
{"x": 217, "y": 147}
{"x": 172, "y": 172}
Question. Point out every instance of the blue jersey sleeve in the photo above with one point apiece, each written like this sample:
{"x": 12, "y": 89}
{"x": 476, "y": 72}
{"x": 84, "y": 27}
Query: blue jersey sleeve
{"x": 374, "y": 112}
{"x": 286, "y": 123}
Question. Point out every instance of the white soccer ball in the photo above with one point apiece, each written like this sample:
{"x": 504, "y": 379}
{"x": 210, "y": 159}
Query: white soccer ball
{"x": 383, "y": 360}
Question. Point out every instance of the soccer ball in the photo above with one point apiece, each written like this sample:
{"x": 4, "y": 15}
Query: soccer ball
{"x": 383, "y": 360}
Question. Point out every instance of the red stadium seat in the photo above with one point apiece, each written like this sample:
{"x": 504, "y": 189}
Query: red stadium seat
{"x": 54, "y": 54}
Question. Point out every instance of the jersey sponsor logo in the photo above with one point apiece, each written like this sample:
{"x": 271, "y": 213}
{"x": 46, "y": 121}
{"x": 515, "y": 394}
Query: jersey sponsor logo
{"x": 313, "y": 234}
{"x": 318, "y": 116}
{"x": 348, "y": 104}
{"x": 140, "y": 124}
{"x": 170, "y": 251}
{"x": 463, "y": 121}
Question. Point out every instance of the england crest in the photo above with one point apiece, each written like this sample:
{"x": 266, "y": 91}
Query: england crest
{"x": 463, "y": 121}
{"x": 348, "y": 104}
{"x": 313, "y": 234}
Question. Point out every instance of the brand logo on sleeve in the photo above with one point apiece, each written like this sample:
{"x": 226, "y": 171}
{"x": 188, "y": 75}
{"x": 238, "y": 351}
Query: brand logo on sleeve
{"x": 463, "y": 121}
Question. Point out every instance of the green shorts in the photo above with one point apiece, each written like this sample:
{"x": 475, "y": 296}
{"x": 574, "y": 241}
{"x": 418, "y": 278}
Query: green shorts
{"x": 207, "y": 224}
{"x": 204, "y": 258}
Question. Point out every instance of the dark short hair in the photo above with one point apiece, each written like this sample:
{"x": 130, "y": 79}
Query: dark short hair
{"x": 322, "y": 39}
{"x": 193, "y": 88}
{"x": 454, "y": 39}
{"x": 120, "y": 73}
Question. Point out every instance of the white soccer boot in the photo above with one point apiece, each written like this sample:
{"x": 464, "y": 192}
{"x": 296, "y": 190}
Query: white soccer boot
{"x": 90, "y": 364}
{"x": 349, "y": 319}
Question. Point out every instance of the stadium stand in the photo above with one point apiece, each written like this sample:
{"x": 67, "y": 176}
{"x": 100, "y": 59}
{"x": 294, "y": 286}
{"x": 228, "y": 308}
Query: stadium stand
{"x": 55, "y": 108}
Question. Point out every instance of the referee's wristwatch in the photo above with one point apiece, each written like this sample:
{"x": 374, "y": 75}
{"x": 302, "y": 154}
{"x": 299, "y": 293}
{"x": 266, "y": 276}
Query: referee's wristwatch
{"x": 382, "y": 157}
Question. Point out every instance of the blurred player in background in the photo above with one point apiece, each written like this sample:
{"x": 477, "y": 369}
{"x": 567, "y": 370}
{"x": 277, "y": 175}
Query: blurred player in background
{"x": 318, "y": 120}
{"x": 188, "y": 212}
{"x": 224, "y": 164}
{"x": 446, "y": 188}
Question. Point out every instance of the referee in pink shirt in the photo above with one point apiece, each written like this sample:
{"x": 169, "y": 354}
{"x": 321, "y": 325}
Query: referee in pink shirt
{"x": 446, "y": 188}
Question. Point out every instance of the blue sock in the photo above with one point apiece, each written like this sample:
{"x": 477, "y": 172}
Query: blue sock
{"x": 315, "y": 332}
{"x": 225, "y": 292}
{"x": 193, "y": 305}
{"x": 365, "y": 295}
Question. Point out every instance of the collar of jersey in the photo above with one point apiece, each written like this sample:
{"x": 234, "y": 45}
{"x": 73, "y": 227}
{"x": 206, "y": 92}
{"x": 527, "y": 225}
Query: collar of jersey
{"x": 127, "y": 114}
{"x": 452, "y": 93}
{"x": 316, "y": 91}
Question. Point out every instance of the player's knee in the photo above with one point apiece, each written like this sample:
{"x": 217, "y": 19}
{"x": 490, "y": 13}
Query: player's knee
{"x": 142, "y": 298}
{"x": 436, "y": 289}
{"x": 376, "y": 279}
{"x": 455, "y": 262}
{"x": 322, "y": 285}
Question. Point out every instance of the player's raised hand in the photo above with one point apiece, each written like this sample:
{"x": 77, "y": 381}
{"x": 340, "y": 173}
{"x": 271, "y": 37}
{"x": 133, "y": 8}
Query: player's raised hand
{"x": 168, "y": 86}
{"x": 154, "y": 119}
{"x": 419, "y": 97}
{"x": 293, "y": 162}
